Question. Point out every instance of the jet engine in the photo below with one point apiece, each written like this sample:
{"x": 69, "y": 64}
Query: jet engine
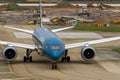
{"x": 88, "y": 53}
{"x": 9, "y": 53}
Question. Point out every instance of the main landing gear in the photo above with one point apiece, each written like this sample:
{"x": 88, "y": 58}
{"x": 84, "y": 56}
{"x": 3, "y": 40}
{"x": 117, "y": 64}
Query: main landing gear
{"x": 65, "y": 57}
{"x": 28, "y": 57}
{"x": 54, "y": 65}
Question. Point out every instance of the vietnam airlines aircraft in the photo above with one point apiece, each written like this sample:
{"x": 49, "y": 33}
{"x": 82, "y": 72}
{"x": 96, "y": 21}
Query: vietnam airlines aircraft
{"x": 50, "y": 45}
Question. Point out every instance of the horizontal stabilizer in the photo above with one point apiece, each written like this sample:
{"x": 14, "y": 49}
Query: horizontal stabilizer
{"x": 61, "y": 29}
{"x": 22, "y": 30}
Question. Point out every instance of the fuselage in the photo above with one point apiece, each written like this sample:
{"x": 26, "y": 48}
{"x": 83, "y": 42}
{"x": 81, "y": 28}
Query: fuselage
{"x": 52, "y": 45}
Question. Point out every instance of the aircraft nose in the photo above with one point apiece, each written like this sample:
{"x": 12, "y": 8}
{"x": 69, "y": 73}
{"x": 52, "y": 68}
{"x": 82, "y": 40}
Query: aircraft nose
{"x": 56, "y": 55}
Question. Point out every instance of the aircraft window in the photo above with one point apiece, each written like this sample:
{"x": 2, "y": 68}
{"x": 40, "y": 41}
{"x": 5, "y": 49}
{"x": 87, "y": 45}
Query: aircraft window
{"x": 55, "y": 47}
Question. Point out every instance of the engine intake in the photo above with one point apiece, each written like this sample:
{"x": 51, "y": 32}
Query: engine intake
{"x": 88, "y": 53}
{"x": 9, "y": 53}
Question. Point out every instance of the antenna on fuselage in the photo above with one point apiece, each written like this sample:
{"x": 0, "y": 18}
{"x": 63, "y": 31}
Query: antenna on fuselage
{"x": 40, "y": 7}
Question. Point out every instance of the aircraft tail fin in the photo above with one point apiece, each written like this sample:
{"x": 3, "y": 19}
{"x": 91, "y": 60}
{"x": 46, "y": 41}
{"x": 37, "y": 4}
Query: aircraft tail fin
{"x": 40, "y": 7}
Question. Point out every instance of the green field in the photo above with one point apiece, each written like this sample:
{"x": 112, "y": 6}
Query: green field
{"x": 117, "y": 50}
{"x": 112, "y": 28}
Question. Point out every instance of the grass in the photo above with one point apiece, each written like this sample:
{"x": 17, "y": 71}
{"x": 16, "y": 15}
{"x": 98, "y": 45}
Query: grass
{"x": 17, "y": 8}
{"x": 112, "y": 28}
{"x": 117, "y": 50}
{"x": 14, "y": 7}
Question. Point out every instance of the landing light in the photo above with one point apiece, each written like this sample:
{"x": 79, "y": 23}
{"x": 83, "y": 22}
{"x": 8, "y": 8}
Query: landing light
{"x": 54, "y": 47}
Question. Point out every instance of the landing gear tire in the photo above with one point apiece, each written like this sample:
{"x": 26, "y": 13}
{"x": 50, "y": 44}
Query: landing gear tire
{"x": 65, "y": 59}
{"x": 27, "y": 58}
{"x": 30, "y": 58}
{"x": 54, "y": 66}
{"x": 68, "y": 58}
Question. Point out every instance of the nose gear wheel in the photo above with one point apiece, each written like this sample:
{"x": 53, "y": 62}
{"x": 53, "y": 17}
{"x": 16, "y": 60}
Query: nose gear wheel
{"x": 54, "y": 66}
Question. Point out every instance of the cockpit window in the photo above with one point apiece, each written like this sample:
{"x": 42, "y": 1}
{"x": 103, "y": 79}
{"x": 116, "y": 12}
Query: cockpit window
{"x": 54, "y": 47}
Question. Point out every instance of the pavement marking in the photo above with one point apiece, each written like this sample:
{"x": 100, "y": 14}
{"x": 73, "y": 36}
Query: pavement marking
{"x": 22, "y": 35}
{"x": 109, "y": 65}
{"x": 35, "y": 4}
{"x": 10, "y": 68}
{"x": 78, "y": 35}
{"x": 6, "y": 79}
{"x": 15, "y": 79}
{"x": 1, "y": 46}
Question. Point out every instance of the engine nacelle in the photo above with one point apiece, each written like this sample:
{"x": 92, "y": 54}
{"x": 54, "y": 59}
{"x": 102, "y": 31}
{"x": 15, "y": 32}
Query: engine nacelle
{"x": 9, "y": 53}
{"x": 88, "y": 53}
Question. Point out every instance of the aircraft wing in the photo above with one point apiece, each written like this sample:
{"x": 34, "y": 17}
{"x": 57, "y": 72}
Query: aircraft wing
{"x": 22, "y": 30}
{"x": 21, "y": 45}
{"x": 73, "y": 45}
{"x": 60, "y": 29}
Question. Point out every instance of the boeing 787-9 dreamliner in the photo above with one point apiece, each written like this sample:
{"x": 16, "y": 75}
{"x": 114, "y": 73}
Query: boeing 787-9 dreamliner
{"x": 50, "y": 45}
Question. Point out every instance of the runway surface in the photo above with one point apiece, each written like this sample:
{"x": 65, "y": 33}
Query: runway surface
{"x": 6, "y": 72}
{"x": 105, "y": 67}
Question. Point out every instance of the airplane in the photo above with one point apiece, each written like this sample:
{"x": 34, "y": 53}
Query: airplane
{"x": 50, "y": 45}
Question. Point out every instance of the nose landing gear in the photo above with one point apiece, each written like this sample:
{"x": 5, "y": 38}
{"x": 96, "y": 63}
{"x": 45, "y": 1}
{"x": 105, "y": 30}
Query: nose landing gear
{"x": 54, "y": 65}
